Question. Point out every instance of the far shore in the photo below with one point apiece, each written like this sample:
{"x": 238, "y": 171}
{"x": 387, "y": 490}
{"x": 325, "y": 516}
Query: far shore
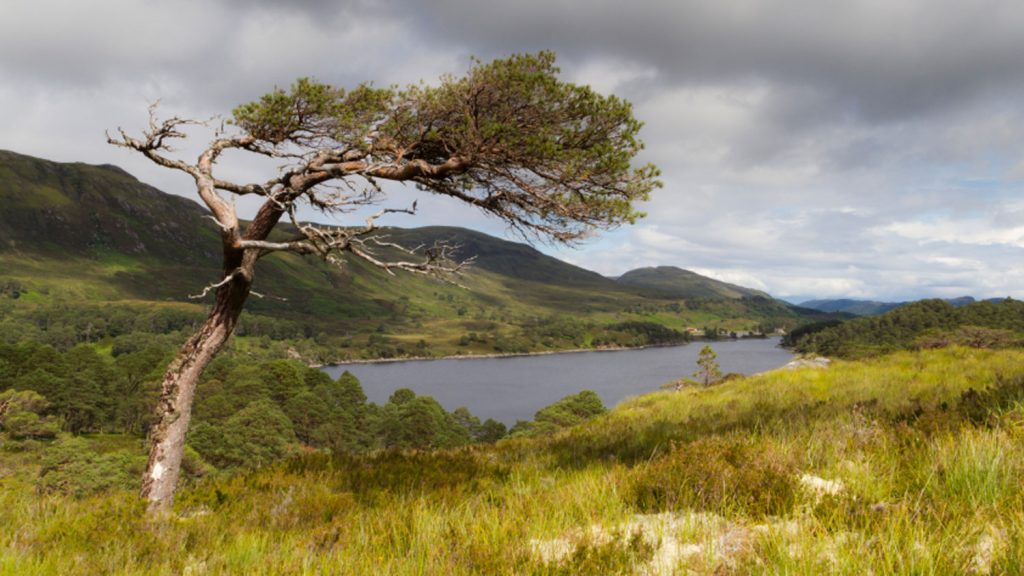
{"x": 519, "y": 354}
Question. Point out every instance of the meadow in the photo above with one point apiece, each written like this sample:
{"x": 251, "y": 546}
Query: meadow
{"x": 905, "y": 464}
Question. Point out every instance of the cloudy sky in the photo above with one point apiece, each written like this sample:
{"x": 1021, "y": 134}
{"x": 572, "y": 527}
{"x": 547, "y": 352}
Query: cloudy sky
{"x": 869, "y": 149}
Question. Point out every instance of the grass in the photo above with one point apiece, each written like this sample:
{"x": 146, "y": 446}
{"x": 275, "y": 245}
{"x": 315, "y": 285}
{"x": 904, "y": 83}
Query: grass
{"x": 920, "y": 455}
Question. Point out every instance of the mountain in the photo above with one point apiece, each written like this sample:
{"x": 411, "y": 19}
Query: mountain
{"x": 72, "y": 233}
{"x": 850, "y": 306}
{"x": 511, "y": 259}
{"x": 873, "y": 308}
{"x": 87, "y": 211}
{"x": 672, "y": 282}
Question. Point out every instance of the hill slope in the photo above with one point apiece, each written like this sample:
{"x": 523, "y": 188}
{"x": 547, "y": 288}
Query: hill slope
{"x": 673, "y": 282}
{"x": 851, "y": 306}
{"x": 73, "y": 233}
{"x": 62, "y": 210}
{"x": 874, "y": 308}
{"x": 908, "y": 464}
{"x": 926, "y": 323}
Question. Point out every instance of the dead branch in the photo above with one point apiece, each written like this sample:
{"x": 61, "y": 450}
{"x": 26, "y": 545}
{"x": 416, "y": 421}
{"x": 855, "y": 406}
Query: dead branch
{"x": 437, "y": 260}
{"x": 206, "y": 290}
{"x": 223, "y": 227}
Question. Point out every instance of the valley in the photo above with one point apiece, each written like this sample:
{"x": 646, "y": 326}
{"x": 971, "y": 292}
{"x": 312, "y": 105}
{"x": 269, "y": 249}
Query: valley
{"x": 74, "y": 236}
{"x": 477, "y": 288}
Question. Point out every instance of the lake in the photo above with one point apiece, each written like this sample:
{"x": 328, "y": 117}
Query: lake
{"x": 514, "y": 388}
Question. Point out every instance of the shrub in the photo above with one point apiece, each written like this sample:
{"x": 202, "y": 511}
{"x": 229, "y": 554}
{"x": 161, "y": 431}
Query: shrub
{"x": 420, "y": 422}
{"x": 980, "y": 407}
{"x": 719, "y": 474}
{"x": 569, "y": 411}
{"x": 257, "y": 435}
{"x": 71, "y": 466}
{"x": 621, "y": 554}
{"x": 24, "y": 415}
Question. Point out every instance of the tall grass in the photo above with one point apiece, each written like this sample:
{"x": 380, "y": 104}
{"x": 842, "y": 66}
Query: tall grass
{"x": 922, "y": 453}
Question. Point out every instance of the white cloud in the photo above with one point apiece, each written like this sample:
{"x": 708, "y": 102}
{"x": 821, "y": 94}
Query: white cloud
{"x": 977, "y": 232}
{"x": 738, "y": 277}
{"x": 821, "y": 287}
{"x": 610, "y": 76}
{"x": 650, "y": 237}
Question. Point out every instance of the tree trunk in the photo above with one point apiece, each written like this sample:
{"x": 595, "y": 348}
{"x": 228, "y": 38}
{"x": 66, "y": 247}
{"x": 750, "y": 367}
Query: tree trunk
{"x": 174, "y": 409}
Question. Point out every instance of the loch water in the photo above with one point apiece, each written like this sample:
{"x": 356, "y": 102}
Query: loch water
{"x": 514, "y": 388}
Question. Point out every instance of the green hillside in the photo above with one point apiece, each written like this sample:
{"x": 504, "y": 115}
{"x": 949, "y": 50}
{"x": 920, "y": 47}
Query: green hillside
{"x": 922, "y": 324}
{"x": 855, "y": 307}
{"x": 672, "y": 282}
{"x": 80, "y": 236}
{"x": 873, "y": 308}
{"x": 907, "y": 464}
{"x": 78, "y": 210}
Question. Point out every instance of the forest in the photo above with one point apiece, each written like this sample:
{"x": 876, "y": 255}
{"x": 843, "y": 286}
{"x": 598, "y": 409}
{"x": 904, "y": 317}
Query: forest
{"x": 923, "y": 324}
{"x": 86, "y": 411}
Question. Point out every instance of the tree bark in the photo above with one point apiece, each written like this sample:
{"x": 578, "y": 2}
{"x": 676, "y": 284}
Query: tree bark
{"x": 174, "y": 409}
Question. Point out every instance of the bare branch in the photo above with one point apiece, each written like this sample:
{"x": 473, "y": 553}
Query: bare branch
{"x": 371, "y": 221}
{"x": 437, "y": 260}
{"x": 217, "y": 222}
{"x": 242, "y": 189}
{"x": 378, "y": 240}
{"x": 151, "y": 145}
{"x": 296, "y": 246}
{"x": 261, "y": 296}
{"x": 206, "y": 290}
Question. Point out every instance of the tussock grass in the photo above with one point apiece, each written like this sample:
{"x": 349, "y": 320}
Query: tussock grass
{"x": 922, "y": 454}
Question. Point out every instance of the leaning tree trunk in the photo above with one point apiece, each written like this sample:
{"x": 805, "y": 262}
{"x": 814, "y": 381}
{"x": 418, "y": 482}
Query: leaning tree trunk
{"x": 174, "y": 409}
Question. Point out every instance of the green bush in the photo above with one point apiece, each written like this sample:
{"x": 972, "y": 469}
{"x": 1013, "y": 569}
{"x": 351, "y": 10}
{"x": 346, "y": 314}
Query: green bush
{"x": 419, "y": 422}
{"x": 969, "y": 336}
{"x": 259, "y": 434}
{"x": 569, "y": 411}
{"x": 24, "y": 415}
{"x": 71, "y": 466}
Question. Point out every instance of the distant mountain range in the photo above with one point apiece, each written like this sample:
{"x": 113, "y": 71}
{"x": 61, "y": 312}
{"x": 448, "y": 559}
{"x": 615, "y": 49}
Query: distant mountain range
{"x": 873, "y": 308}
{"x": 76, "y": 232}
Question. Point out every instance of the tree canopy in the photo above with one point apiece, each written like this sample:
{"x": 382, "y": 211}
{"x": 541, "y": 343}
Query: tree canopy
{"x": 509, "y": 137}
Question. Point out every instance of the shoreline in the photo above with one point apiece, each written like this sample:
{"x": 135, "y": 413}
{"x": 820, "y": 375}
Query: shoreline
{"x": 523, "y": 354}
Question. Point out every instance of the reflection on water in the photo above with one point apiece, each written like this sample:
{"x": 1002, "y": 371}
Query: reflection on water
{"x": 508, "y": 389}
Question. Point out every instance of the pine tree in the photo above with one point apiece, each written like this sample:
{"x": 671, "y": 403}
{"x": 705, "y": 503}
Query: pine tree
{"x": 708, "y": 371}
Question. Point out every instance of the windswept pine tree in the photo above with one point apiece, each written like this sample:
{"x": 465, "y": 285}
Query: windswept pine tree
{"x": 550, "y": 158}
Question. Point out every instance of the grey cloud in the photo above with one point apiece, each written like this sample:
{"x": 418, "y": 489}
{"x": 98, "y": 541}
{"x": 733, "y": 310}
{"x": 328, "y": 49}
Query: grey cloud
{"x": 882, "y": 61}
{"x": 840, "y": 76}
{"x": 792, "y": 134}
